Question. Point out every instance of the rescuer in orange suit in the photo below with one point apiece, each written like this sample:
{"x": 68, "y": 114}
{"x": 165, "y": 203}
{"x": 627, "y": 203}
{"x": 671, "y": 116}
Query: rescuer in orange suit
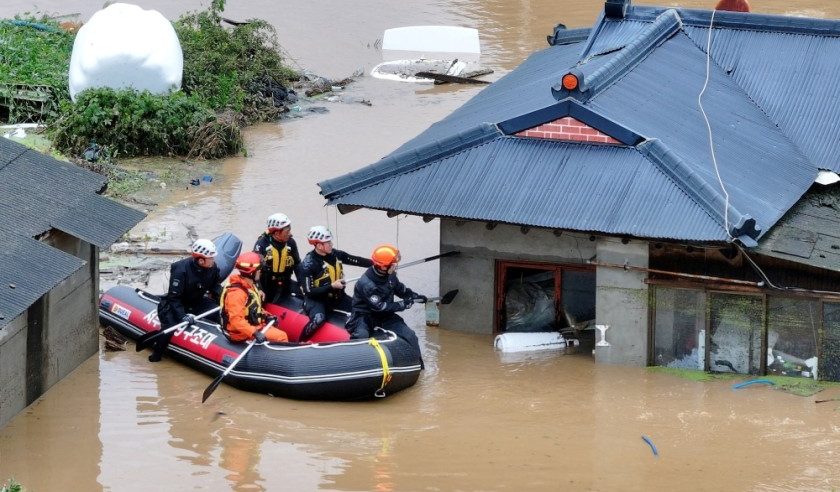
{"x": 242, "y": 313}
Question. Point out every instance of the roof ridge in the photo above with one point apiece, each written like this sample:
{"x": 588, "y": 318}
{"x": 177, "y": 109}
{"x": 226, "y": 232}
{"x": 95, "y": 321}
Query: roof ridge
{"x": 398, "y": 163}
{"x": 742, "y": 226}
{"x": 666, "y": 25}
{"x": 741, "y": 20}
{"x": 22, "y": 149}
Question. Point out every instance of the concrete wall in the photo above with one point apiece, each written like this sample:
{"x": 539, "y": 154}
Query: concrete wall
{"x": 55, "y": 335}
{"x": 621, "y": 302}
{"x": 13, "y": 368}
{"x": 474, "y": 270}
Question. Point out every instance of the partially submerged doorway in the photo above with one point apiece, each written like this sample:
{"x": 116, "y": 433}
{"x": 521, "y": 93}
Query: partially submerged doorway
{"x": 532, "y": 297}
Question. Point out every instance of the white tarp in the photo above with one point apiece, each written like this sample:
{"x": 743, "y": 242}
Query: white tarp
{"x": 124, "y": 46}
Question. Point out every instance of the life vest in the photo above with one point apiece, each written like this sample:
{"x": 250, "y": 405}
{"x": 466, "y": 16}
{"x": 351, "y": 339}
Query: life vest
{"x": 329, "y": 275}
{"x": 280, "y": 260}
{"x": 253, "y": 309}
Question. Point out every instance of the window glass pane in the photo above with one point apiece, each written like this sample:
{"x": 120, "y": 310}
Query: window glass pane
{"x": 529, "y": 299}
{"x": 578, "y": 295}
{"x": 736, "y": 323}
{"x": 792, "y": 331}
{"x": 829, "y": 363}
{"x": 680, "y": 328}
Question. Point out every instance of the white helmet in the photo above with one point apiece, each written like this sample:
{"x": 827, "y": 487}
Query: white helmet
{"x": 319, "y": 234}
{"x": 204, "y": 248}
{"x": 278, "y": 222}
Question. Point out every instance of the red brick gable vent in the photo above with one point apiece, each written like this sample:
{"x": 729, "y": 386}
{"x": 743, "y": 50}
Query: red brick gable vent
{"x": 568, "y": 129}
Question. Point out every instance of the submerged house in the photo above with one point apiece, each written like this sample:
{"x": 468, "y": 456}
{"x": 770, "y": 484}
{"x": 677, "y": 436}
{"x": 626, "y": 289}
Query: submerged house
{"x": 590, "y": 185}
{"x": 53, "y": 222}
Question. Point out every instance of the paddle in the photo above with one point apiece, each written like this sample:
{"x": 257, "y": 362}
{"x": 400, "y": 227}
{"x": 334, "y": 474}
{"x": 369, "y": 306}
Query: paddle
{"x": 215, "y": 384}
{"x": 415, "y": 262}
{"x": 149, "y": 338}
{"x": 444, "y": 299}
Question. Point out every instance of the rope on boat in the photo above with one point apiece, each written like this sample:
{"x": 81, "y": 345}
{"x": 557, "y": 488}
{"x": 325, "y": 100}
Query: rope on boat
{"x": 386, "y": 373}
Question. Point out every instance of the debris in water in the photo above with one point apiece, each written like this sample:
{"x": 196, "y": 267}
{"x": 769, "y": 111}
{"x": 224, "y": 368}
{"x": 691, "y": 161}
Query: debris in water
{"x": 652, "y": 446}
{"x": 114, "y": 342}
{"x": 751, "y": 382}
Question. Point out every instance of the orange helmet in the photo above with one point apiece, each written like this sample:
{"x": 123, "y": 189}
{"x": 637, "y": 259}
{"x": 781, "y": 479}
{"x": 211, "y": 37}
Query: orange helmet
{"x": 385, "y": 255}
{"x": 248, "y": 263}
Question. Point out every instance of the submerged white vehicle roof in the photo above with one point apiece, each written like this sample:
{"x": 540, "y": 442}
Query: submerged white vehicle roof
{"x": 432, "y": 39}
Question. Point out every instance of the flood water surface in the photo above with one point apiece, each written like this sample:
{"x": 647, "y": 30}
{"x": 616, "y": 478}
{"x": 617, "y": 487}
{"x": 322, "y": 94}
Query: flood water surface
{"x": 476, "y": 420}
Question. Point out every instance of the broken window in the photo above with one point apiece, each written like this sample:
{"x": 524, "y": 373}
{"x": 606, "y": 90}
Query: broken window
{"x": 535, "y": 297}
{"x": 829, "y": 362}
{"x": 792, "y": 333}
{"x": 680, "y": 328}
{"x": 736, "y": 323}
{"x": 529, "y": 300}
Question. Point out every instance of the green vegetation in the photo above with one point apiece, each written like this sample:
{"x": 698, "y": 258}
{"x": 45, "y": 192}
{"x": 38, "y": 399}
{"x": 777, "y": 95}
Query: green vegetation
{"x": 692, "y": 374}
{"x": 238, "y": 69}
{"x": 799, "y": 386}
{"x": 140, "y": 123}
{"x": 35, "y": 56}
{"x": 232, "y": 77}
{"x": 794, "y": 385}
{"x": 11, "y": 486}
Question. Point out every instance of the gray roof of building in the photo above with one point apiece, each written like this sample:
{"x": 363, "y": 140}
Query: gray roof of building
{"x": 641, "y": 75}
{"x": 41, "y": 193}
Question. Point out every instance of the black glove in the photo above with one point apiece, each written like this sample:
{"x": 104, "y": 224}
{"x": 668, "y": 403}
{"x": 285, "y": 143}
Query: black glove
{"x": 259, "y": 337}
{"x": 189, "y": 319}
{"x": 407, "y": 303}
{"x": 421, "y": 298}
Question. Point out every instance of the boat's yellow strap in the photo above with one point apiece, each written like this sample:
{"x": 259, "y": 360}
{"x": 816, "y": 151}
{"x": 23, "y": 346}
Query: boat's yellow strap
{"x": 386, "y": 372}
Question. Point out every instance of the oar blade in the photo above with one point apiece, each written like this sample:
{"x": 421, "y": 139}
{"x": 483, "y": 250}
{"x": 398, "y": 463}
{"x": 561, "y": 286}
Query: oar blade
{"x": 146, "y": 340}
{"x": 210, "y": 389}
{"x": 449, "y": 296}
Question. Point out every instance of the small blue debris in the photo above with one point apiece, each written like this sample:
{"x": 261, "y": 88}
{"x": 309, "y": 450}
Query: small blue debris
{"x": 652, "y": 446}
{"x": 207, "y": 178}
{"x": 751, "y": 382}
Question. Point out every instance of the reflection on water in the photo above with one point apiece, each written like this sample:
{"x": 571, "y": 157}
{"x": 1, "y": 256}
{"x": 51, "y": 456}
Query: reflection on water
{"x": 476, "y": 420}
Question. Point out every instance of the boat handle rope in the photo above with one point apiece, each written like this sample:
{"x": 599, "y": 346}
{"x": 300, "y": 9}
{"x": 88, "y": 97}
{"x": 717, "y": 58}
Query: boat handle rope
{"x": 386, "y": 373}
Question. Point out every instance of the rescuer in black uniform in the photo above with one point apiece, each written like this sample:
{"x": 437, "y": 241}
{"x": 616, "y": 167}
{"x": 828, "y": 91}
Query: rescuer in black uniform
{"x": 280, "y": 259}
{"x": 190, "y": 280}
{"x": 323, "y": 279}
{"x": 373, "y": 299}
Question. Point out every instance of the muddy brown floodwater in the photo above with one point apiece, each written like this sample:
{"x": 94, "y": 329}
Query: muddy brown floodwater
{"x": 476, "y": 420}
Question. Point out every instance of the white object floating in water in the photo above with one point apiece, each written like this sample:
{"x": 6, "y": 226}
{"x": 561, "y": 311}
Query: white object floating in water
{"x": 406, "y": 70}
{"x": 124, "y": 46}
{"x": 523, "y": 342}
{"x": 432, "y": 39}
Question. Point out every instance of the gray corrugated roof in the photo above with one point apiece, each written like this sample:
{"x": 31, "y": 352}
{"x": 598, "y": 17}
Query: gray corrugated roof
{"x": 39, "y": 194}
{"x": 634, "y": 197}
{"x": 645, "y": 81}
{"x": 763, "y": 171}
